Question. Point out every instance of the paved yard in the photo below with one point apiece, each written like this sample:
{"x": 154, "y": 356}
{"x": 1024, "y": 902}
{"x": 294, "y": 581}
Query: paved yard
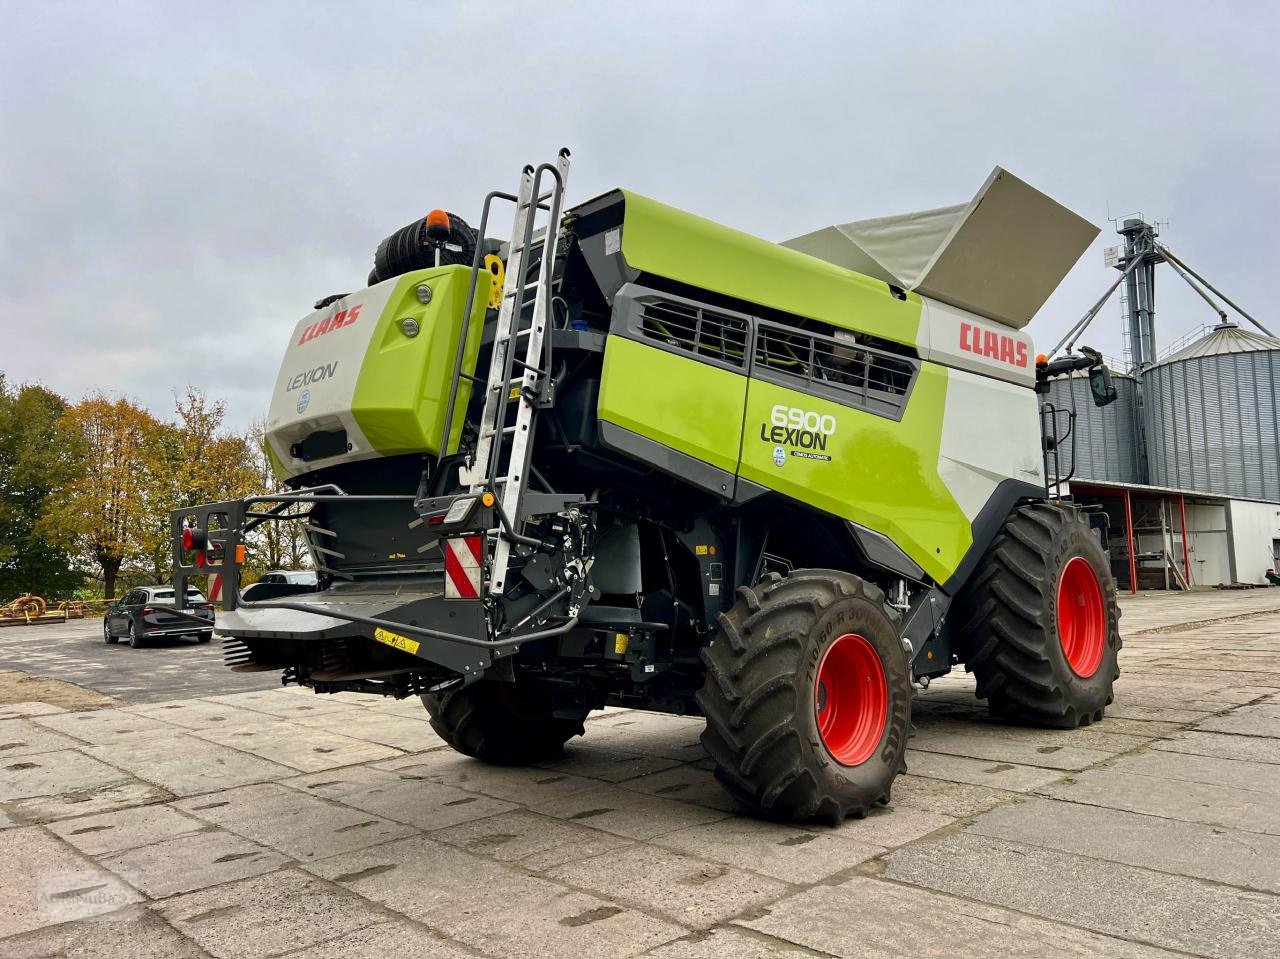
{"x": 201, "y": 817}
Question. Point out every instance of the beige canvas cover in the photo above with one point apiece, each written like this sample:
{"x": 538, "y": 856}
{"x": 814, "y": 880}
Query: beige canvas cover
{"x": 1000, "y": 255}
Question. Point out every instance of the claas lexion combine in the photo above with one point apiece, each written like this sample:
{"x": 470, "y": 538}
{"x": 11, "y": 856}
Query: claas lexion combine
{"x": 631, "y": 457}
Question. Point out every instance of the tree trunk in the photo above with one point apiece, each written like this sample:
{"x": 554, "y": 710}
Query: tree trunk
{"x": 110, "y": 567}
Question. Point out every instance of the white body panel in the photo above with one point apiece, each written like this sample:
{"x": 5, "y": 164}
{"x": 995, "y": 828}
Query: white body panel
{"x": 316, "y": 385}
{"x": 990, "y": 432}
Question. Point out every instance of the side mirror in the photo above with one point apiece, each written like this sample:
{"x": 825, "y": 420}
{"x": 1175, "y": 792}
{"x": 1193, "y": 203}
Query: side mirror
{"x": 1100, "y": 385}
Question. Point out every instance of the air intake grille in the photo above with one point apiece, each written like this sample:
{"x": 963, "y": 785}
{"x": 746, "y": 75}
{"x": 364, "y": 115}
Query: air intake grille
{"x": 847, "y": 371}
{"x": 696, "y": 330}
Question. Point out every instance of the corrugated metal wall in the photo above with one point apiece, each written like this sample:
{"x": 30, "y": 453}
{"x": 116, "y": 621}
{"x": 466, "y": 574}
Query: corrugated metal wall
{"x": 1213, "y": 423}
{"x": 1106, "y": 446}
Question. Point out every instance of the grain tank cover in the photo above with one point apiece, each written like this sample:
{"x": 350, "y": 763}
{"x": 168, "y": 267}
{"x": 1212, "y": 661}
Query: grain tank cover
{"x": 1000, "y": 255}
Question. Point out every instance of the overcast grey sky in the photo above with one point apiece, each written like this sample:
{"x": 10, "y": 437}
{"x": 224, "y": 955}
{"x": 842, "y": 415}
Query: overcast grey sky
{"x": 179, "y": 182}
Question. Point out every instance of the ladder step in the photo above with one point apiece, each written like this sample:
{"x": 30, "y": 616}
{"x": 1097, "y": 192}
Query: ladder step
{"x": 489, "y": 432}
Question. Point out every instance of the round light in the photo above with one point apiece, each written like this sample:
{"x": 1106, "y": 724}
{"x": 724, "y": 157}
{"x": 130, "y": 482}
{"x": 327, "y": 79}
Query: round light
{"x": 487, "y": 499}
{"x": 410, "y": 326}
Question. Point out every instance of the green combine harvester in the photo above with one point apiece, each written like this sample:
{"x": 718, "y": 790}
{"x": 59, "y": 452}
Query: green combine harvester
{"x": 634, "y": 458}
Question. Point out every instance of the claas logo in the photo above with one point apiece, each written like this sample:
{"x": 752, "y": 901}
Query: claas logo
{"x": 329, "y": 324}
{"x": 989, "y": 343}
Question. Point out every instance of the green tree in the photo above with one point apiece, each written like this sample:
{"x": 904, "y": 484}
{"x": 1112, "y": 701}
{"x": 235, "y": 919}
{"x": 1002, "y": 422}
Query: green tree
{"x": 106, "y": 512}
{"x": 38, "y": 453}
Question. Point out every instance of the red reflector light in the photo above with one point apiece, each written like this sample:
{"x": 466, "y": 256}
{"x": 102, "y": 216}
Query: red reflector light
{"x": 199, "y": 559}
{"x": 187, "y": 538}
{"x": 435, "y": 520}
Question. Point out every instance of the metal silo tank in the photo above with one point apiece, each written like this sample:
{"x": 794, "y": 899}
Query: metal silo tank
{"x": 1106, "y": 442}
{"x": 1213, "y": 415}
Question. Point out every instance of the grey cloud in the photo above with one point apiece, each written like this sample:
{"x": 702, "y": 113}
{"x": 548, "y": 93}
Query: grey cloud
{"x": 179, "y": 182}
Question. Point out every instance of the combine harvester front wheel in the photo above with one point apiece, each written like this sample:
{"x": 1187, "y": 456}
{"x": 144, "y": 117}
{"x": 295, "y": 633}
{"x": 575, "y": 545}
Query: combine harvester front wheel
{"x": 1039, "y": 622}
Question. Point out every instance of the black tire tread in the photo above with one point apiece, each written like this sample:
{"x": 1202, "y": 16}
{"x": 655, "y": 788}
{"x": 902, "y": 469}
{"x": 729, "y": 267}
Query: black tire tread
{"x": 1002, "y": 617}
{"x": 479, "y": 721}
{"x": 749, "y": 697}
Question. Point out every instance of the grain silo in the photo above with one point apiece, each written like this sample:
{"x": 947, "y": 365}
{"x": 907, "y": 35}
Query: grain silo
{"x": 1106, "y": 440}
{"x": 1213, "y": 415}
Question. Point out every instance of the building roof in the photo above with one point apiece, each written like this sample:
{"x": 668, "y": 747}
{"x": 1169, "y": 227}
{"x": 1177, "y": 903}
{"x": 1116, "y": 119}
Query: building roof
{"x": 1223, "y": 339}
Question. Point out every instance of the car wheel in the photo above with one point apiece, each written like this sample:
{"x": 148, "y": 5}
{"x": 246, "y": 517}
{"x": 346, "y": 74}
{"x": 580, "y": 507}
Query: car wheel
{"x": 106, "y": 633}
{"x": 205, "y": 637}
{"x": 134, "y": 639}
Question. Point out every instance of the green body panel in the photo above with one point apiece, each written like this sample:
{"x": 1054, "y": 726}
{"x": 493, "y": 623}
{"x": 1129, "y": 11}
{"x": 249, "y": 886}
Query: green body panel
{"x": 875, "y": 471}
{"x": 402, "y": 393}
{"x": 881, "y": 474}
{"x": 668, "y": 242}
{"x": 689, "y": 406}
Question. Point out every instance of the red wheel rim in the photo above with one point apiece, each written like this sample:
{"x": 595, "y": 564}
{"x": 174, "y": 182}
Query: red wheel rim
{"x": 851, "y": 700}
{"x": 1082, "y": 618}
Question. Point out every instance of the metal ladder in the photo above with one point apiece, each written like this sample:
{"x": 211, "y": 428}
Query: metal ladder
{"x": 501, "y": 387}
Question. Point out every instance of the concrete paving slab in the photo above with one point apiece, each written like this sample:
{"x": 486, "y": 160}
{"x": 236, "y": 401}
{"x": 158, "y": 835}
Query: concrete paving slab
{"x": 20, "y": 737}
{"x": 511, "y": 783}
{"x": 687, "y": 784}
{"x": 44, "y": 883}
{"x": 412, "y": 735}
{"x": 1167, "y": 845}
{"x": 86, "y": 801}
{"x": 299, "y": 746}
{"x": 402, "y": 797}
{"x": 267, "y": 915}
{"x": 610, "y": 765}
{"x": 1154, "y": 908}
{"x": 104, "y": 726}
{"x": 187, "y": 863}
{"x": 469, "y": 899}
{"x": 279, "y": 703}
{"x": 960, "y": 800}
{"x": 628, "y": 813}
{"x": 728, "y": 941}
{"x": 21, "y": 710}
{"x": 292, "y": 822}
{"x": 992, "y": 773}
{"x": 1172, "y": 799}
{"x": 868, "y": 918}
{"x": 197, "y": 714}
{"x": 398, "y": 938}
{"x": 1172, "y": 714}
{"x": 1241, "y": 774}
{"x": 187, "y": 765}
{"x": 114, "y": 832}
{"x": 134, "y": 932}
{"x": 1261, "y": 720}
{"x": 1257, "y": 749}
{"x": 1025, "y": 747}
{"x": 534, "y": 842}
{"x": 690, "y": 891}
{"x": 650, "y": 734}
{"x": 790, "y": 853}
{"x": 507, "y": 782}
{"x": 54, "y": 773}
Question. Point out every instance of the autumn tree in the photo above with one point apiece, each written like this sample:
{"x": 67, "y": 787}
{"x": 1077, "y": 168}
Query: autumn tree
{"x": 37, "y": 454}
{"x": 106, "y": 513}
{"x": 273, "y": 545}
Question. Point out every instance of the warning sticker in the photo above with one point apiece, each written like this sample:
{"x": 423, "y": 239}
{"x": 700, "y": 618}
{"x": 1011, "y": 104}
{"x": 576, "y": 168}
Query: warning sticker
{"x": 395, "y": 640}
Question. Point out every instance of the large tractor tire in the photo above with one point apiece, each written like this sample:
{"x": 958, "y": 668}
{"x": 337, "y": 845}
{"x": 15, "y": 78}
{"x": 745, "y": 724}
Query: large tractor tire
{"x": 507, "y": 724}
{"x": 1038, "y": 625}
{"x": 807, "y": 697}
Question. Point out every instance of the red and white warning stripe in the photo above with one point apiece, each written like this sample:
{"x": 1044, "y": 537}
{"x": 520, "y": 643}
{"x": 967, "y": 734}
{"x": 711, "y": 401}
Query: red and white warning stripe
{"x": 462, "y": 567}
